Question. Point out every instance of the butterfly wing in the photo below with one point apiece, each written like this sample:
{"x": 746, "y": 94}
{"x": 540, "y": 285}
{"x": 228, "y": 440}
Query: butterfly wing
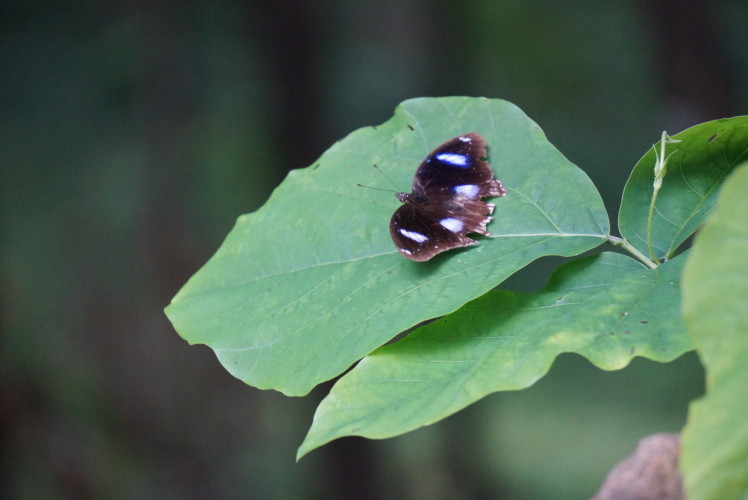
{"x": 420, "y": 233}
{"x": 458, "y": 168}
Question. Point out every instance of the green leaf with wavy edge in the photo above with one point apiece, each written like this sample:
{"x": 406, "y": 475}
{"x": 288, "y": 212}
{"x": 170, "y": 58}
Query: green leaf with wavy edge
{"x": 311, "y": 282}
{"x": 607, "y": 308}
{"x": 715, "y": 286}
{"x": 696, "y": 167}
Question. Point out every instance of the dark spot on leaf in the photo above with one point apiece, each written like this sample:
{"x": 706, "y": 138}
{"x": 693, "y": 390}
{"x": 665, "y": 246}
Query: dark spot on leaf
{"x": 624, "y": 314}
{"x": 611, "y": 333}
{"x": 411, "y": 127}
{"x": 559, "y": 298}
{"x": 632, "y": 350}
{"x": 712, "y": 138}
{"x": 663, "y": 349}
{"x": 315, "y": 167}
{"x": 389, "y": 271}
{"x": 627, "y": 332}
{"x": 644, "y": 322}
{"x": 374, "y": 127}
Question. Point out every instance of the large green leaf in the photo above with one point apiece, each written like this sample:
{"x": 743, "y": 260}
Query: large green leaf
{"x": 715, "y": 287}
{"x": 608, "y": 308}
{"x": 311, "y": 282}
{"x": 696, "y": 167}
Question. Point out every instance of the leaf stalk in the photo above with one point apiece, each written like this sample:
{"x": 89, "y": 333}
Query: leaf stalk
{"x": 620, "y": 242}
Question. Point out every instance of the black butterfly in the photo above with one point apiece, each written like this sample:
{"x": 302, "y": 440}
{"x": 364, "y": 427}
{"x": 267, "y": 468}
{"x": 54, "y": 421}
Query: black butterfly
{"x": 445, "y": 204}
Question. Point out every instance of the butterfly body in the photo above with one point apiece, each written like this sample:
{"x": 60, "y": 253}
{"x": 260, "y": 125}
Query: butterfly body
{"x": 445, "y": 203}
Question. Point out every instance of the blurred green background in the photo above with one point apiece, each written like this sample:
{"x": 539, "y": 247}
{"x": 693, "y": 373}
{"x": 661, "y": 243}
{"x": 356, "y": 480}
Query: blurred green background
{"x": 132, "y": 134}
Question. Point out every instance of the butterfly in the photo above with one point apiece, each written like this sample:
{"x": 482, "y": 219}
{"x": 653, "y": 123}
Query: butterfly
{"x": 445, "y": 203}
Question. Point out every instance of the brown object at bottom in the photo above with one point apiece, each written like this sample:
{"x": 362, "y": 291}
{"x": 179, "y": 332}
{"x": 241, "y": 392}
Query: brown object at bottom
{"x": 650, "y": 473}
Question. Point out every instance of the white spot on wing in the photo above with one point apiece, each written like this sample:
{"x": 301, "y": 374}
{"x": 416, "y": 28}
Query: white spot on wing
{"x": 454, "y": 225}
{"x": 453, "y": 159}
{"x": 412, "y": 235}
{"x": 469, "y": 190}
{"x": 464, "y": 138}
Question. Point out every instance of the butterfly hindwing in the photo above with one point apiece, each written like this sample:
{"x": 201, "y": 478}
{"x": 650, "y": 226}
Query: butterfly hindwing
{"x": 420, "y": 235}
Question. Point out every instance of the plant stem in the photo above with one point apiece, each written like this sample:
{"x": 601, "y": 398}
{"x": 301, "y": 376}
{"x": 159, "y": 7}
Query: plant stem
{"x": 660, "y": 169}
{"x": 650, "y": 245}
{"x": 620, "y": 242}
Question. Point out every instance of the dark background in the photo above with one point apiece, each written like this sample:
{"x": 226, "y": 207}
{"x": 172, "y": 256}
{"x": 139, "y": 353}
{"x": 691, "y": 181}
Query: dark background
{"x": 133, "y": 133}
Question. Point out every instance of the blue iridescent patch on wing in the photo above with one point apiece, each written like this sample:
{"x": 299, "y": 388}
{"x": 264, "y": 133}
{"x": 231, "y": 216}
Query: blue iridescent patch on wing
{"x": 469, "y": 190}
{"x": 454, "y": 159}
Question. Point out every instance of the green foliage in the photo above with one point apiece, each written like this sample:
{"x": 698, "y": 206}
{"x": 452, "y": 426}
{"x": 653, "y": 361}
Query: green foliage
{"x": 607, "y": 307}
{"x": 715, "y": 287}
{"x": 310, "y": 284}
{"x": 696, "y": 167}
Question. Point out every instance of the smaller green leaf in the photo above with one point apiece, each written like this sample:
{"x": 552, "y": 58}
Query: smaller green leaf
{"x": 696, "y": 167}
{"x": 608, "y": 308}
{"x": 715, "y": 286}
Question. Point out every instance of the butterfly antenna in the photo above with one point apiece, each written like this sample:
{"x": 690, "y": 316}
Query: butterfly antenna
{"x": 385, "y": 176}
{"x": 376, "y": 189}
